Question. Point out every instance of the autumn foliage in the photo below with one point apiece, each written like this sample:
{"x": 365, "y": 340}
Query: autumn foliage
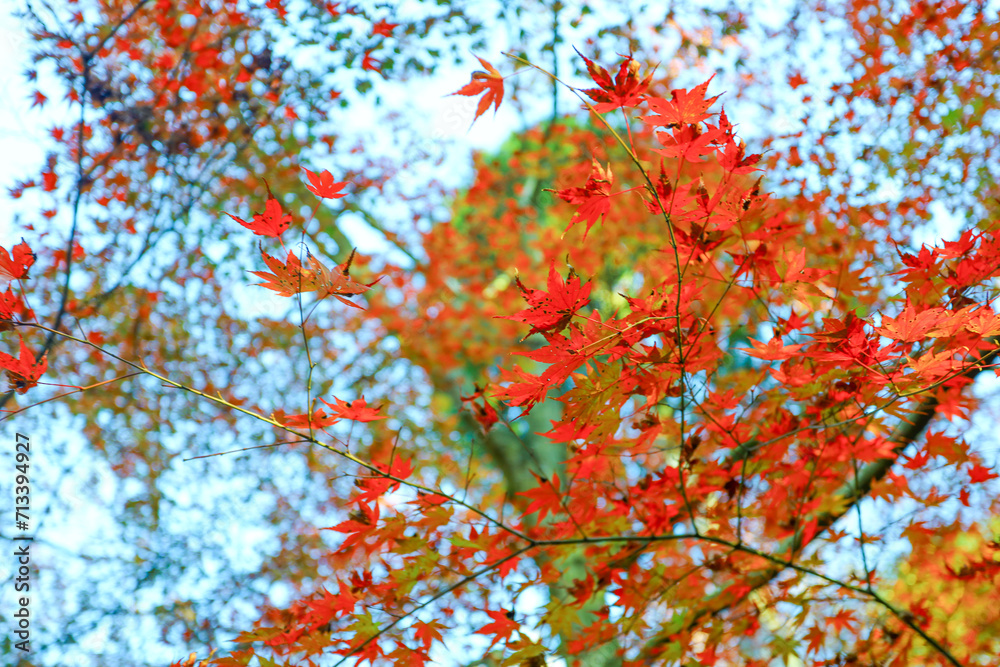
{"x": 646, "y": 397}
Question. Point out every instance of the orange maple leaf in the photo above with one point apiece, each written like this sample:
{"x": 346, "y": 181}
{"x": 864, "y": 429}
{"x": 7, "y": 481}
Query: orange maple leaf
{"x": 287, "y": 278}
{"x": 318, "y": 421}
{"x": 913, "y": 325}
{"x": 491, "y": 82}
{"x": 773, "y": 350}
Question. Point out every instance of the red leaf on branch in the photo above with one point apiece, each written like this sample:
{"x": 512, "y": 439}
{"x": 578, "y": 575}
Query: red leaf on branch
{"x": 360, "y": 523}
{"x": 375, "y": 486}
{"x": 842, "y": 620}
{"x": 501, "y": 628}
{"x": 625, "y": 91}
{"x": 331, "y": 606}
{"x": 323, "y": 185}
{"x": 318, "y": 421}
{"x": 525, "y": 389}
{"x": 15, "y": 265}
{"x": 816, "y": 637}
{"x": 918, "y": 460}
{"x": 428, "y": 632}
{"x": 24, "y": 371}
{"x": 370, "y": 64}
{"x": 687, "y": 142}
{"x": 593, "y": 199}
{"x": 773, "y": 350}
{"x": 357, "y": 410}
{"x": 552, "y": 310}
{"x": 544, "y": 497}
{"x": 980, "y": 473}
{"x": 272, "y": 222}
{"x": 490, "y": 82}
{"x": 684, "y": 107}
{"x": 913, "y": 325}
{"x": 49, "y": 181}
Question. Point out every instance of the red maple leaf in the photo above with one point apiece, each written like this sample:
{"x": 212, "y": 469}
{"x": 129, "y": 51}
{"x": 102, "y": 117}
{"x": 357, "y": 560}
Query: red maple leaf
{"x": 625, "y": 91}
{"x": 525, "y": 388}
{"x": 15, "y": 265}
{"x": 383, "y": 28}
{"x": 331, "y": 606}
{"x": 687, "y": 142}
{"x": 360, "y": 523}
{"x": 918, "y": 460}
{"x": 502, "y": 627}
{"x": 24, "y": 371}
{"x": 593, "y": 199}
{"x": 552, "y": 310}
{"x": 375, "y": 486}
{"x": 842, "y": 620}
{"x": 816, "y": 638}
{"x": 979, "y": 474}
{"x": 357, "y": 410}
{"x": 427, "y": 632}
{"x": 10, "y": 303}
{"x": 544, "y": 498}
{"x": 323, "y": 185}
{"x": 684, "y": 107}
{"x": 490, "y": 82}
{"x": 734, "y": 158}
{"x": 272, "y": 222}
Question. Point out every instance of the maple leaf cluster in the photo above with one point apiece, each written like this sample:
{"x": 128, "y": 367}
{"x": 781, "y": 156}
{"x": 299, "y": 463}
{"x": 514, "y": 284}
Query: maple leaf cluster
{"x": 721, "y": 388}
{"x": 24, "y": 370}
{"x": 291, "y": 277}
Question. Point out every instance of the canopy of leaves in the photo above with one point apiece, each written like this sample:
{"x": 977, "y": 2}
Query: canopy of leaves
{"x": 657, "y": 437}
